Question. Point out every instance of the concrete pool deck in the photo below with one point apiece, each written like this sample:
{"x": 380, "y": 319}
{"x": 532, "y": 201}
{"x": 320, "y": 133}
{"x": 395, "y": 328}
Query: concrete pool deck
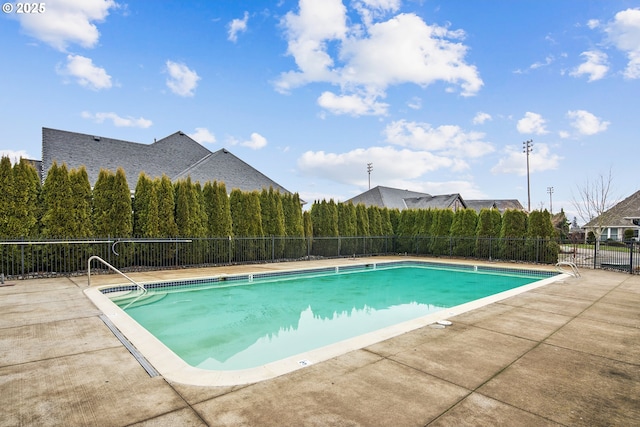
{"x": 567, "y": 353}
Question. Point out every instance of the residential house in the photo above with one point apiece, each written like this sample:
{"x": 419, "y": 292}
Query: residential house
{"x": 617, "y": 219}
{"x": 176, "y": 156}
{"x": 395, "y": 198}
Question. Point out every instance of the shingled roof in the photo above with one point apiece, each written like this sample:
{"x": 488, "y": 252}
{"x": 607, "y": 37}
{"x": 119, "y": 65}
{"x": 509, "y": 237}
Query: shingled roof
{"x": 177, "y": 156}
{"x": 395, "y": 198}
{"x": 618, "y": 215}
{"x": 500, "y": 204}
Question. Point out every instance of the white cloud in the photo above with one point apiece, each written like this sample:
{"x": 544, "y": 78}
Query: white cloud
{"x": 238, "y": 26}
{"x": 624, "y": 33}
{"x": 118, "y": 121}
{"x": 203, "y": 136}
{"x": 586, "y": 123}
{"x": 547, "y": 61}
{"x": 14, "y": 155}
{"x": 415, "y": 103}
{"x": 87, "y": 74}
{"x": 481, "y": 117}
{"x": 182, "y": 81}
{"x": 67, "y": 22}
{"x": 532, "y": 123}
{"x": 447, "y": 140}
{"x": 595, "y": 65}
{"x": 593, "y": 24}
{"x": 514, "y": 161}
{"x": 366, "y": 59}
{"x": 355, "y": 105}
{"x": 390, "y": 164}
{"x": 256, "y": 142}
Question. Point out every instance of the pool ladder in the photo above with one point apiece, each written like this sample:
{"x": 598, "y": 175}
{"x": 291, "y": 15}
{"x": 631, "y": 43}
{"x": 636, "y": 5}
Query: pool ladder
{"x": 144, "y": 290}
{"x": 574, "y": 268}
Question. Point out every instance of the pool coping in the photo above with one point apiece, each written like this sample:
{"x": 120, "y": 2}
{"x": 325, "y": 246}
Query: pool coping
{"x": 174, "y": 369}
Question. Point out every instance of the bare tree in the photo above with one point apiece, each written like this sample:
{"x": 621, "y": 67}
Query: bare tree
{"x": 594, "y": 201}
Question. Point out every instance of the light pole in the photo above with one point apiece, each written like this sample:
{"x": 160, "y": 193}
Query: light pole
{"x": 369, "y": 169}
{"x": 527, "y": 147}
{"x": 550, "y": 191}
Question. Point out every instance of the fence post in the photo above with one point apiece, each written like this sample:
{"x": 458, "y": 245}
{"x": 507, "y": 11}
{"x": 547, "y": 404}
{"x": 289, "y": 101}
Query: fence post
{"x": 595, "y": 253}
{"x": 631, "y": 257}
{"x": 22, "y": 259}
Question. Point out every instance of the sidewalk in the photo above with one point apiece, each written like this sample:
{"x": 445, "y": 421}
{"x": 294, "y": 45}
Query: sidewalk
{"x": 564, "y": 354}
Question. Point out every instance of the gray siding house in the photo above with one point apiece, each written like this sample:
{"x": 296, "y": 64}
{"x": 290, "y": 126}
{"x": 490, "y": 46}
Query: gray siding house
{"x": 177, "y": 156}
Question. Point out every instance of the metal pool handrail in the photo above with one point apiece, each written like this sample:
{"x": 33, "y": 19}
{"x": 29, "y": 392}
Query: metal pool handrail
{"x": 574, "y": 269}
{"x": 144, "y": 290}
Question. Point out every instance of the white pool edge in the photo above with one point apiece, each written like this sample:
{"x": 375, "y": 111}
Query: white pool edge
{"x": 174, "y": 369}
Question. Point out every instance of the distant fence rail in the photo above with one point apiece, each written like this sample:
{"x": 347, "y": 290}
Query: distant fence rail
{"x": 47, "y": 258}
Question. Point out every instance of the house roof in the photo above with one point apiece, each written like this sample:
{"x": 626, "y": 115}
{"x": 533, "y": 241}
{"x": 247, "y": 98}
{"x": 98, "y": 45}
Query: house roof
{"x": 392, "y": 198}
{"x": 500, "y": 204}
{"x": 615, "y": 216}
{"x": 176, "y": 155}
{"x": 395, "y": 198}
{"x": 434, "y": 202}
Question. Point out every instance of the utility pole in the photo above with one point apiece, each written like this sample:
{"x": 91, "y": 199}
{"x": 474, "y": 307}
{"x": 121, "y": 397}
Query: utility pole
{"x": 550, "y": 191}
{"x": 369, "y": 169}
{"x": 527, "y": 147}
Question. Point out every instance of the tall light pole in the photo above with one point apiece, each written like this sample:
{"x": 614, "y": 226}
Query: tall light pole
{"x": 550, "y": 191}
{"x": 369, "y": 169}
{"x": 527, "y": 147}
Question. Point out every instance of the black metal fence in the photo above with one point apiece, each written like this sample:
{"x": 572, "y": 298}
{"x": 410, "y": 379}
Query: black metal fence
{"x": 46, "y": 258}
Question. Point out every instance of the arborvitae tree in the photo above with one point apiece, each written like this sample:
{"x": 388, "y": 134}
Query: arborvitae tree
{"x": 441, "y": 231}
{"x": 347, "y": 221}
{"x": 308, "y": 224}
{"x": 102, "y": 203}
{"x": 216, "y": 203}
{"x": 189, "y": 209}
{"x": 293, "y": 222}
{"x": 540, "y": 232}
{"x": 348, "y": 229}
{"x": 141, "y": 205}
{"x": 21, "y": 193}
{"x": 422, "y": 228}
{"x": 166, "y": 207}
{"x": 512, "y": 234}
{"x": 406, "y": 230}
{"x": 362, "y": 221}
{"x": 152, "y": 226}
{"x": 324, "y": 217}
{"x": 387, "y": 226}
{"x": 463, "y": 232}
{"x": 488, "y": 232}
{"x": 201, "y": 213}
{"x": 245, "y": 213}
{"x": 122, "y": 218}
{"x": 81, "y": 202}
{"x": 57, "y": 216}
{"x": 375, "y": 221}
{"x": 272, "y": 213}
{"x": 6, "y": 197}
{"x": 394, "y": 217}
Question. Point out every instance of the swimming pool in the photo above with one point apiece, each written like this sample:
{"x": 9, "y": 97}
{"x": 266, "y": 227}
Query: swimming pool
{"x": 244, "y": 328}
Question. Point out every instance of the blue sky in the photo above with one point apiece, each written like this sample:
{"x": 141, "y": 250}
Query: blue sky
{"x": 438, "y": 96}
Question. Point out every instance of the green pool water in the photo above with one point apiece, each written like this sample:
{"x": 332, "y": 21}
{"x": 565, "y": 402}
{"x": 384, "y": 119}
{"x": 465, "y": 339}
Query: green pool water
{"x": 246, "y": 325}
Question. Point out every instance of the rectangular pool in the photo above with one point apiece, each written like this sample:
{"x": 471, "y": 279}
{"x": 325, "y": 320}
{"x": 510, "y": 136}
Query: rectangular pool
{"x": 250, "y": 326}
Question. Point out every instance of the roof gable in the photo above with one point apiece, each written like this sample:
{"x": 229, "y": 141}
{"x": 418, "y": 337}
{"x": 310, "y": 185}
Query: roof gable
{"x": 176, "y": 156}
{"x": 615, "y": 216}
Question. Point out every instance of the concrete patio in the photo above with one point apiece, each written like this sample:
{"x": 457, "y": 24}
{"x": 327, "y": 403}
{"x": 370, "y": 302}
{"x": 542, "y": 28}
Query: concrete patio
{"x": 564, "y": 354}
